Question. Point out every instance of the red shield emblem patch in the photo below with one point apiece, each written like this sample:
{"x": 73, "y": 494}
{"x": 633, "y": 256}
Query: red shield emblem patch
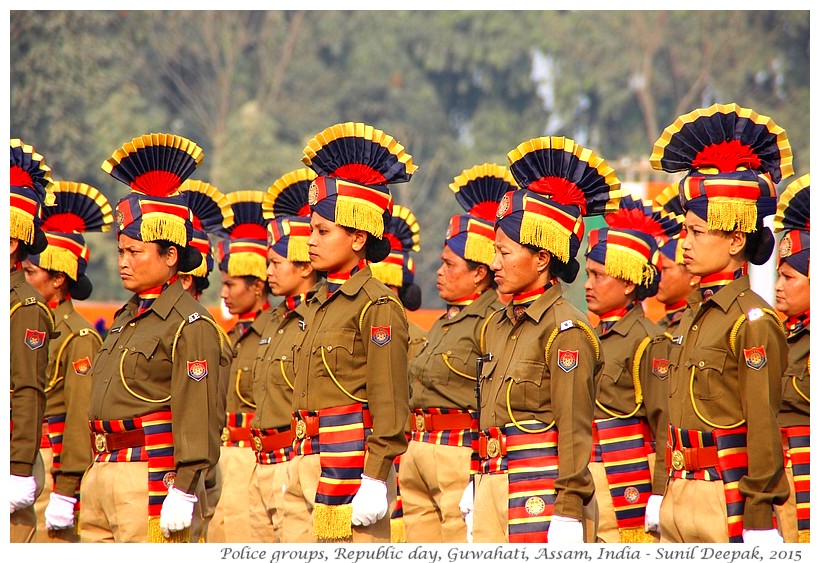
{"x": 660, "y": 367}
{"x": 755, "y": 357}
{"x": 82, "y": 366}
{"x": 567, "y": 359}
{"x": 197, "y": 370}
{"x": 380, "y": 335}
{"x": 35, "y": 339}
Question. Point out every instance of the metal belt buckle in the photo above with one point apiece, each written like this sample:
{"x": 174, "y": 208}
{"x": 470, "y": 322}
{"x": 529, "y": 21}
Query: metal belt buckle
{"x": 420, "y": 422}
{"x": 493, "y": 447}
{"x": 99, "y": 442}
{"x": 226, "y": 434}
{"x": 678, "y": 463}
{"x": 257, "y": 443}
{"x": 301, "y": 429}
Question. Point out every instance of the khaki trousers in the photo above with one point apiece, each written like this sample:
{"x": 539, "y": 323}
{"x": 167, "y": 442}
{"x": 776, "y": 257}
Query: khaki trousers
{"x": 432, "y": 479}
{"x": 69, "y": 535}
{"x": 231, "y": 518}
{"x": 267, "y": 502}
{"x": 787, "y": 513}
{"x": 694, "y": 511}
{"x": 300, "y": 495}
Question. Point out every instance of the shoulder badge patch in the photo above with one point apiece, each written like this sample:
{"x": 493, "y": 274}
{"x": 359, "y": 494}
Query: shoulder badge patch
{"x": 35, "y": 339}
{"x": 192, "y": 317}
{"x": 82, "y": 366}
{"x": 198, "y": 369}
{"x": 29, "y": 301}
{"x": 567, "y": 359}
{"x": 566, "y": 324}
{"x": 755, "y": 357}
{"x": 263, "y": 341}
{"x": 380, "y": 335}
{"x": 754, "y": 314}
{"x": 660, "y": 367}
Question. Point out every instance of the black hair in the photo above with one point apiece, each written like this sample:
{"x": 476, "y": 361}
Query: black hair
{"x": 759, "y": 245}
{"x": 410, "y": 296}
{"x": 250, "y": 280}
{"x": 564, "y": 272}
{"x": 189, "y": 257}
{"x": 472, "y": 265}
{"x": 376, "y": 249}
{"x": 201, "y": 283}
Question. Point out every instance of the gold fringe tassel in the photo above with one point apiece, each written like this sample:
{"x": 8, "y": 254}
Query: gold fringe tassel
{"x": 804, "y": 536}
{"x": 628, "y": 265}
{"x": 359, "y": 214}
{"x": 247, "y": 264}
{"x": 200, "y": 271}
{"x": 163, "y": 226}
{"x": 388, "y": 274}
{"x": 727, "y": 214}
{"x": 479, "y": 249}
{"x": 21, "y": 225}
{"x": 398, "y": 533}
{"x": 298, "y": 249}
{"x": 155, "y": 533}
{"x": 59, "y": 260}
{"x": 332, "y": 522}
{"x": 636, "y": 535}
{"x": 545, "y": 234}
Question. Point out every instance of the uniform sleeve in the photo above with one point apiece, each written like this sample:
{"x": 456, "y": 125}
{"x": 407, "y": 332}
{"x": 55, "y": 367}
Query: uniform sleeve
{"x": 655, "y": 385}
{"x": 197, "y": 400}
{"x": 573, "y": 394}
{"x": 387, "y": 390}
{"x": 29, "y": 330}
{"x": 765, "y": 483}
{"x": 76, "y": 369}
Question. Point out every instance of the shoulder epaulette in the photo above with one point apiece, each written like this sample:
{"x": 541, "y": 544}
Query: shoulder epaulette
{"x": 223, "y": 337}
{"x": 381, "y": 301}
{"x": 566, "y": 325}
{"x": 751, "y": 315}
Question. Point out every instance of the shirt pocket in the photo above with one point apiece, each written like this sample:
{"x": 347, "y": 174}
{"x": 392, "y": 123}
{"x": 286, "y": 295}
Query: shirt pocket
{"x": 140, "y": 360}
{"x": 614, "y": 377}
{"x": 796, "y": 375}
{"x": 675, "y": 352}
{"x": 334, "y": 350}
{"x": 459, "y": 363}
{"x": 709, "y": 365}
{"x": 487, "y": 373}
{"x": 523, "y": 382}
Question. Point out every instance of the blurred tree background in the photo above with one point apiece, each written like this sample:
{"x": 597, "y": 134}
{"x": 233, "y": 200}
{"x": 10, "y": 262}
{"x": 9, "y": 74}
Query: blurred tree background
{"x": 456, "y": 88}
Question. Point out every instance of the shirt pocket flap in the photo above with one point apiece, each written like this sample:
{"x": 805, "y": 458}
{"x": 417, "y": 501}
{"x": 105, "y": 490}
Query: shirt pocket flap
{"x": 707, "y": 358}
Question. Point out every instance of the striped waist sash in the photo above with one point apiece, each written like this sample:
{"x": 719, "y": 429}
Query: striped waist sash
{"x": 237, "y": 431}
{"x": 272, "y": 445}
{"x": 443, "y": 426}
{"x": 796, "y": 452}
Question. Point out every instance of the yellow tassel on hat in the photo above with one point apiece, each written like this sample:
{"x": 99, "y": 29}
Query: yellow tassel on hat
{"x": 332, "y": 522}
{"x": 164, "y": 226}
{"x": 359, "y": 214}
{"x": 200, "y": 271}
{"x": 247, "y": 264}
{"x": 546, "y": 234}
{"x": 636, "y": 535}
{"x": 629, "y": 265}
{"x": 729, "y": 214}
{"x": 21, "y": 225}
{"x": 388, "y": 274}
{"x": 155, "y": 533}
{"x": 298, "y": 250}
{"x": 479, "y": 249}
{"x": 398, "y": 532}
{"x": 59, "y": 259}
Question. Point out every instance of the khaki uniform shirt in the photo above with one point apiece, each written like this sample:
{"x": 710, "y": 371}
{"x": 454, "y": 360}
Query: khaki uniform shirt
{"x": 273, "y": 368}
{"x": 151, "y": 380}
{"x": 615, "y": 387}
{"x": 362, "y": 367}
{"x": 795, "y": 407}
{"x": 30, "y": 328}
{"x": 443, "y": 374}
{"x": 417, "y": 340}
{"x": 240, "y": 386}
{"x": 726, "y": 390}
{"x": 68, "y": 391}
{"x": 540, "y": 389}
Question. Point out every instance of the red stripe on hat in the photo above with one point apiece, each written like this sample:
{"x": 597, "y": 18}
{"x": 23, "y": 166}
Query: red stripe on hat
{"x": 150, "y": 206}
{"x": 55, "y": 240}
{"x": 24, "y": 203}
{"x": 376, "y": 197}
{"x": 626, "y": 240}
{"x": 532, "y": 205}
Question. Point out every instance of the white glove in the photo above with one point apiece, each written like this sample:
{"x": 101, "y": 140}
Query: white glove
{"x": 465, "y": 505}
{"x": 370, "y": 502}
{"x": 652, "y": 519}
{"x": 60, "y": 512}
{"x": 762, "y": 537}
{"x": 21, "y": 492}
{"x": 177, "y": 511}
{"x": 565, "y": 530}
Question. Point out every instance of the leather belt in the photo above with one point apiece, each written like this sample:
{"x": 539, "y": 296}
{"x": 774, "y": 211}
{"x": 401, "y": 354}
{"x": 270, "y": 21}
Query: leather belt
{"x": 236, "y": 434}
{"x": 308, "y": 426}
{"x": 691, "y": 459}
{"x": 271, "y": 440}
{"x": 491, "y": 447}
{"x": 102, "y": 442}
{"x": 429, "y": 422}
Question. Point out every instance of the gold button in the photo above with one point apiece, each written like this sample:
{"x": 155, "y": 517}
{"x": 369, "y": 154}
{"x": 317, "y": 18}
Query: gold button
{"x": 132, "y": 324}
{"x": 694, "y": 327}
{"x": 257, "y": 443}
{"x": 513, "y": 337}
{"x": 65, "y": 316}
{"x": 493, "y": 447}
{"x": 284, "y": 358}
{"x": 99, "y": 442}
{"x": 329, "y": 348}
{"x": 301, "y": 429}
{"x": 281, "y": 330}
{"x": 701, "y": 364}
{"x": 119, "y": 347}
{"x": 420, "y": 422}
{"x": 677, "y": 460}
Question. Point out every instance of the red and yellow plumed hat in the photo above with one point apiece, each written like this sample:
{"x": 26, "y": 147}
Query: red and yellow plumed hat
{"x": 478, "y": 190}
{"x": 628, "y": 246}
{"x": 154, "y": 167}
{"x": 246, "y": 251}
{"x": 668, "y": 201}
{"x": 793, "y": 218}
{"x": 561, "y": 182}
{"x": 211, "y": 215}
{"x": 78, "y": 208}
{"x": 30, "y": 180}
{"x": 734, "y": 158}
{"x": 285, "y": 205}
{"x": 398, "y": 268}
{"x": 355, "y": 163}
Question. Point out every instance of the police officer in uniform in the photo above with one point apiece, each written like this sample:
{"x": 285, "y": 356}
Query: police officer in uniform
{"x": 630, "y": 393}
{"x": 724, "y": 455}
{"x": 58, "y": 273}
{"x": 156, "y": 391}
{"x": 541, "y": 356}
{"x": 31, "y": 325}
{"x": 350, "y": 362}
{"x": 437, "y": 466}
{"x": 793, "y": 300}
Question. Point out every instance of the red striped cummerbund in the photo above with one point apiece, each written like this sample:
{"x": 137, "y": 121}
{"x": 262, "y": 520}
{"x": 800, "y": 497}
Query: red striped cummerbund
{"x": 272, "y": 445}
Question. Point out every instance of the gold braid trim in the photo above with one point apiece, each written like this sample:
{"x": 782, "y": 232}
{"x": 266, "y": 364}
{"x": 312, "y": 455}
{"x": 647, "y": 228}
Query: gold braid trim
{"x": 398, "y": 532}
{"x": 55, "y": 379}
{"x": 636, "y": 382}
{"x": 445, "y": 357}
{"x": 799, "y": 392}
{"x": 239, "y": 393}
{"x": 284, "y": 375}
{"x": 515, "y": 422}
{"x": 332, "y": 522}
{"x": 482, "y": 337}
{"x": 43, "y": 306}
{"x": 741, "y": 319}
{"x": 578, "y": 324}
{"x": 134, "y": 393}
{"x": 697, "y": 412}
